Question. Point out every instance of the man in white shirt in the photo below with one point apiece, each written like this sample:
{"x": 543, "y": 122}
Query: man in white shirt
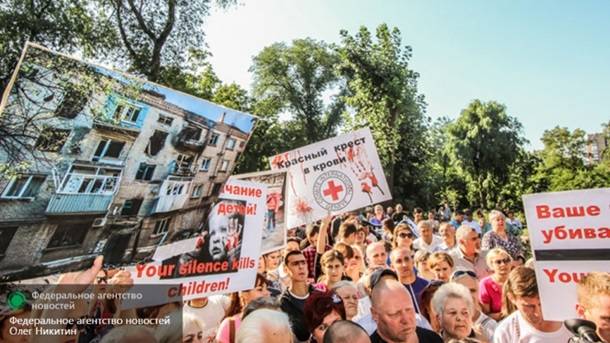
{"x": 447, "y": 234}
{"x": 427, "y": 240}
{"x": 467, "y": 255}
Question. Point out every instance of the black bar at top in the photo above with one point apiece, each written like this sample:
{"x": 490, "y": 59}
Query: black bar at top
{"x": 573, "y": 255}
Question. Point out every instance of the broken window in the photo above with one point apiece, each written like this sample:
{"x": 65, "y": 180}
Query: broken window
{"x": 6, "y": 235}
{"x": 184, "y": 163}
{"x": 161, "y": 226}
{"x": 192, "y": 133}
{"x": 156, "y": 143}
{"x": 69, "y": 234}
{"x": 89, "y": 180}
{"x": 145, "y": 172}
{"x": 165, "y": 120}
{"x": 52, "y": 139}
{"x": 214, "y": 139}
{"x": 108, "y": 148}
{"x": 73, "y": 103}
{"x": 23, "y": 186}
{"x": 127, "y": 112}
{"x": 197, "y": 191}
{"x": 131, "y": 207}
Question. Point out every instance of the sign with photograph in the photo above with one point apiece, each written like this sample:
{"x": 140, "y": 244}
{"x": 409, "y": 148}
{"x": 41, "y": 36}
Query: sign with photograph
{"x": 570, "y": 236}
{"x": 97, "y": 162}
{"x": 274, "y": 227}
{"x": 221, "y": 258}
{"x": 336, "y": 175}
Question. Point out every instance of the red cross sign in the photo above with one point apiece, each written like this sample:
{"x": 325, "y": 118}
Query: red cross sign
{"x": 333, "y": 190}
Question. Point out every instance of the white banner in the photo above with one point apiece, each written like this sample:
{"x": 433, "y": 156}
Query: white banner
{"x": 570, "y": 236}
{"x": 222, "y": 259}
{"x": 336, "y": 175}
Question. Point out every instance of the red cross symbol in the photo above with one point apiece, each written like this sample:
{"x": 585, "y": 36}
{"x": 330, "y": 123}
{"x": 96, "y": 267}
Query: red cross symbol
{"x": 333, "y": 190}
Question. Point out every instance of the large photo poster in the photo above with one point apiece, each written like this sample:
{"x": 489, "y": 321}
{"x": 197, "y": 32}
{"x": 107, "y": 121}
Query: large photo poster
{"x": 97, "y": 162}
{"x": 221, "y": 258}
{"x": 336, "y": 175}
{"x": 570, "y": 237}
{"x": 274, "y": 227}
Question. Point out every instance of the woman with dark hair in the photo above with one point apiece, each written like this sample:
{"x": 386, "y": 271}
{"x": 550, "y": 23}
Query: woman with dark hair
{"x": 321, "y": 310}
{"x": 239, "y": 300}
{"x": 403, "y": 237}
{"x": 425, "y": 307}
{"x": 333, "y": 266}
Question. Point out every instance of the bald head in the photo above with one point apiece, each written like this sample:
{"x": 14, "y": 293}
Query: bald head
{"x": 346, "y": 331}
{"x": 393, "y": 311}
{"x": 385, "y": 289}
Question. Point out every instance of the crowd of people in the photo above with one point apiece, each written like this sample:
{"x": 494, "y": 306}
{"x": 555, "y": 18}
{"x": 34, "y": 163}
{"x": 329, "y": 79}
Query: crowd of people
{"x": 383, "y": 275}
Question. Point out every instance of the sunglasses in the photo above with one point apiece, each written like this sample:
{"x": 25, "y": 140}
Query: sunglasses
{"x": 459, "y": 273}
{"x": 502, "y": 261}
{"x": 405, "y": 235}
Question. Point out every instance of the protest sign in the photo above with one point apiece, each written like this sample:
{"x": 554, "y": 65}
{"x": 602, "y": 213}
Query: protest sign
{"x": 336, "y": 175}
{"x": 274, "y": 227}
{"x": 97, "y": 162}
{"x": 222, "y": 258}
{"x": 570, "y": 236}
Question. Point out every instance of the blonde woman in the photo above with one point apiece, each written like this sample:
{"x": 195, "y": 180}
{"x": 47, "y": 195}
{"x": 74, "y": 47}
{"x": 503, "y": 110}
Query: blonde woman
{"x": 490, "y": 288}
{"x": 441, "y": 265}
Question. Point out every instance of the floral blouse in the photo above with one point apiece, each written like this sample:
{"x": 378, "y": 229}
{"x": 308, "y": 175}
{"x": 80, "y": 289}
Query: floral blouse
{"x": 512, "y": 245}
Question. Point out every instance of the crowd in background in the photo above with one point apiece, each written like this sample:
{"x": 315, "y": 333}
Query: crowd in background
{"x": 383, "y": 275}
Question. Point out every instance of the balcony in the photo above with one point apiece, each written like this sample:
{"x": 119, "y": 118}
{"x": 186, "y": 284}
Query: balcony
{"x": 182, "y": 169}
{"x": 122, "y": 126}
{"x": 83, "y": 194}
{"x": 189, "y": 139}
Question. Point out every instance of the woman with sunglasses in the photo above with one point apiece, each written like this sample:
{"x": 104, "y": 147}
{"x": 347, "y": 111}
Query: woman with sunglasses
{"x": 403, "y": 237}
{"x": 468, "y": 279}
{"x": 321, "y": 310}
{"x": 239, "y": 300}
{"x": 490, "y": 295}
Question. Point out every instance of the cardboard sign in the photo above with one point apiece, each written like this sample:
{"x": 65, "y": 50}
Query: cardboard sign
{"x": 570, "y": 236}
{"x": 222, "y": 258}
{"x": 274, "y": 227}
{"x": 97, "y": 162}
{"x": 336, "y": 175}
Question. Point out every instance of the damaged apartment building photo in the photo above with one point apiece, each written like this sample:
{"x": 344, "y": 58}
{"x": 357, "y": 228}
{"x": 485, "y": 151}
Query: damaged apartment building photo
{"x": 96, "y": 162}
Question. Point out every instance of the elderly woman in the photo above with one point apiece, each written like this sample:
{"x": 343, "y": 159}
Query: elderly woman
{"x": 403, "y": 237}
{"x": 453, "y": 306}
{"x": 349, "y": 294}
{"x": 321, "y": 310}
{"x": 441, "y": 265}
{"x": 490, "y": 288}
{"x": 499, "y": 237}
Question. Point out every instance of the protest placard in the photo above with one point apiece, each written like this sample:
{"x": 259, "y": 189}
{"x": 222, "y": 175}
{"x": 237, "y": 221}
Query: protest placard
{"x": 570, "y": 236}
{"x": 222, "y": 258}
{"x": 96, "y": 162}
{"x": 336, "y": 175}
{"x": 274, "y": 227}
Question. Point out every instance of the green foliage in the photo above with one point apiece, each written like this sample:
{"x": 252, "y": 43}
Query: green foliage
{"x": 297, "y": 78}
{"x": 62, "y": 25}
{"x": 382, "y": 95}
{"x": 484, "y": 142}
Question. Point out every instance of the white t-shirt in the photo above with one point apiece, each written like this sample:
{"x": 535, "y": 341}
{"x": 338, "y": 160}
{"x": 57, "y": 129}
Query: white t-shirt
{"x": 419, "y": 244}
{"x": 514, "y": 329}
{"x": 211, "y": 314}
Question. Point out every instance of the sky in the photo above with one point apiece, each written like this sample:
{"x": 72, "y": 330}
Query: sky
{"x": 547, "y": 61}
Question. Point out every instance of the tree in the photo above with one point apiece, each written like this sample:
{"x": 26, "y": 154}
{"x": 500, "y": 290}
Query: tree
{"x": 158, "y": 34}
{"x": 564, "y": 149}
{"x": 297, "y": 78}
{"x": 484, "y": 142}
{"x": 62, "y": 25}
{"x": 382, "y": 95}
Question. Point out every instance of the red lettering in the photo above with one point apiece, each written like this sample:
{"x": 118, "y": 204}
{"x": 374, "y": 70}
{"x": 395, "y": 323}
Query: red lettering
{"x": 548, "y": 235}
{"x": 550, "y": 274}
{"x": 544, "y": 211}
{"x": 593, "y": 210}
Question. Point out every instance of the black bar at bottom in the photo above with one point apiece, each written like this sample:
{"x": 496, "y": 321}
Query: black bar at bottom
{"x": 573, "y": 255}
